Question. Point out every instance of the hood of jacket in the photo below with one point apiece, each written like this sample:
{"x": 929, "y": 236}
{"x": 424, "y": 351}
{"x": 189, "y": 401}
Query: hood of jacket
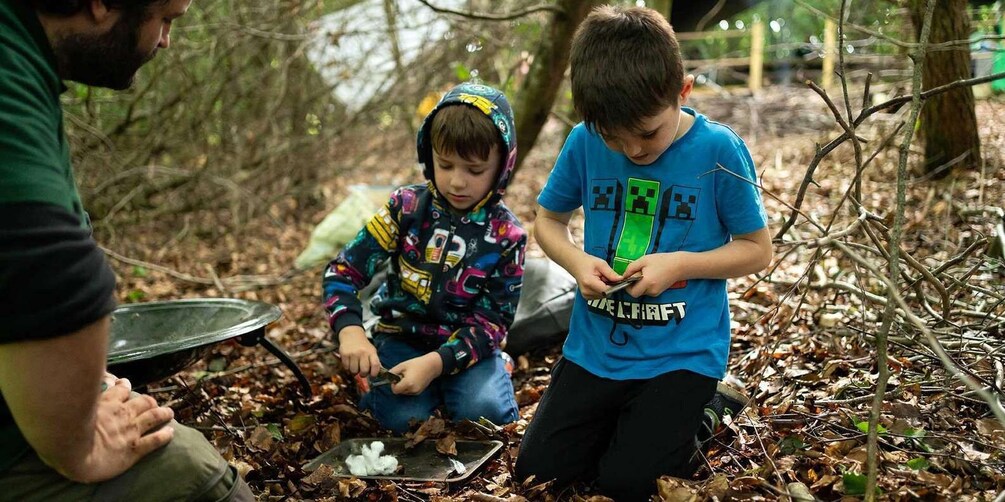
{"x": 496, "y": 107}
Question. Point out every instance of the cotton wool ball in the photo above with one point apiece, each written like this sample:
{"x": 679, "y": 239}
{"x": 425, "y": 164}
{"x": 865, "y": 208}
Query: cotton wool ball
{"x": 370, "y": 462}
{"x": 356, "y": 465}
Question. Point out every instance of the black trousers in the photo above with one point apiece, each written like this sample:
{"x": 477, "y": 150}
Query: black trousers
{"x": 623, "y": 434}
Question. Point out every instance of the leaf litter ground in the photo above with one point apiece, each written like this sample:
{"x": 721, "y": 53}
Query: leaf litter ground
{"x": 810, "y": 371}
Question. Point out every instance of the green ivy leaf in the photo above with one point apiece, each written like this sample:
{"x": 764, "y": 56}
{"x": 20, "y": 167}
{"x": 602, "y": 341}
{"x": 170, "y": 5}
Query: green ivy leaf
{"x": 135, "y": 295}
{"x": 918, "y": 464}
{"x": 864, "y": 427}
{"x": 274, "y": 430}
{"x": 854, "y": 483}
{"x": 139, "y": 271}
{"x": 791, "y": 444}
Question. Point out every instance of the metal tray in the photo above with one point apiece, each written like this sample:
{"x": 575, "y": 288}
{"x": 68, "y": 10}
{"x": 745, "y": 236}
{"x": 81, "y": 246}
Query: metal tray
{"x": 421, "y": 463}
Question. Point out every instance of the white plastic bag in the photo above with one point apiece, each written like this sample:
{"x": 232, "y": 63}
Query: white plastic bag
{"x": 342, "y": 224}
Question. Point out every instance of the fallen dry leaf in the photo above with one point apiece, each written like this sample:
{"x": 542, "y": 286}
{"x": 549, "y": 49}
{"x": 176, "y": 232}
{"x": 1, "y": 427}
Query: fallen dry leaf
{"x": 447, "y": 445}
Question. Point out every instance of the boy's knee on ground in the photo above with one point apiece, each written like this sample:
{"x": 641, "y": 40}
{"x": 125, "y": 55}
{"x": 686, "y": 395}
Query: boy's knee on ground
{"x": 624, "y": 479}
{"x": 476, "y": 406}
{"x": 627, "y": 482}
{"x": 399, "y": 423}
{"x": 542, "y": 464}
{"x": 395, "y": 412}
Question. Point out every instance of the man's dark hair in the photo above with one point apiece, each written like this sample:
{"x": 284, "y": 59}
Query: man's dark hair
{"x": 626, "y": 66}
{"x": 71, "y": 7}
{"x": 468, "y": 132}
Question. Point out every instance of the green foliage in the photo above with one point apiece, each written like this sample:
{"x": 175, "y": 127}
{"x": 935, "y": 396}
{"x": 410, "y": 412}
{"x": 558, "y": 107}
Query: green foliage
{"x": 791, "y": 444}
{"x": 277, "y": 434}
{"x": 791, "y": 30}
{"x": 917, "y": 436}
{"x": 918, "y": 464}
{"x": 854, "y": 483}
{"x": 864, "y": 427}
{"x": 461, "y": 71}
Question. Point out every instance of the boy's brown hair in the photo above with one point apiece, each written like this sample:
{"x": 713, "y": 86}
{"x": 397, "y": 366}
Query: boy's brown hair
{"x": 463, "y": 130}
{"x": 626, "y": 66}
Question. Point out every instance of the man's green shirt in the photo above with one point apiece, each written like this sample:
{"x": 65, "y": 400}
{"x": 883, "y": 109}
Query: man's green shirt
{"x": 34, "y": 153}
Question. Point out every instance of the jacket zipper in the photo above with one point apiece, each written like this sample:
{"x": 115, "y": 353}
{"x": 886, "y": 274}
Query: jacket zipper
{"x": 443, "y": 258}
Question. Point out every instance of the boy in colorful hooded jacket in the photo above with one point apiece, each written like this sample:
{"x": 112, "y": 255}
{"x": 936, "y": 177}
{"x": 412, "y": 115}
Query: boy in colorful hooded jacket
{"x": 456, "y": 256}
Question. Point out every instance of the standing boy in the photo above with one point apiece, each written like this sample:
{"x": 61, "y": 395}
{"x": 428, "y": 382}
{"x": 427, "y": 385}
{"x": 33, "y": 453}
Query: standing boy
{"x": 456, "y": 266}
{"x": 668, "y": 195}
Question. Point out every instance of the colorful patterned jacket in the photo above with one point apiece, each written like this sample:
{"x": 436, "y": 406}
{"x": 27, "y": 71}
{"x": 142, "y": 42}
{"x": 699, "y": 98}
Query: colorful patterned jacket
{"x": 453, "y": 281}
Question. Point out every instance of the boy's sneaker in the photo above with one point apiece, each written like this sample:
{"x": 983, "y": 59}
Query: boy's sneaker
{"x": 727, "y": 401}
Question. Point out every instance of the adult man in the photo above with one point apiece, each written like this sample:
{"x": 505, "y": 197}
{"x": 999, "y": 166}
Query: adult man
{"x": 61, "y": 436}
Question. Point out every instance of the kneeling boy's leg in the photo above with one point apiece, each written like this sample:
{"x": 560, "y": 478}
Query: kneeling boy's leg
{"x": 483, "y": 390}
{"x": 655, "y": 435}
{"x": 571, "y": 427}
{"x": 394, "y": 411}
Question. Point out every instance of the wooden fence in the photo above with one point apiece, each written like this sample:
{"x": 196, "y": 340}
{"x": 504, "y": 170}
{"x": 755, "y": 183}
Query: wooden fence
{"x": 755, "y": 61}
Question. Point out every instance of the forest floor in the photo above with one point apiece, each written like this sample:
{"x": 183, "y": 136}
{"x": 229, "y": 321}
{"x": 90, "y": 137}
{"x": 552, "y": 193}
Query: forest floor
{"x": 799, "y": 352}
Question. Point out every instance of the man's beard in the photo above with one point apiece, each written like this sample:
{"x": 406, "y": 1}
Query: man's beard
{"x": 107, "y": 60}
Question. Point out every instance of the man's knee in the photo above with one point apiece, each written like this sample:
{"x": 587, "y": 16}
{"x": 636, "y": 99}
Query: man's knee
{"x": 189, "y": 467}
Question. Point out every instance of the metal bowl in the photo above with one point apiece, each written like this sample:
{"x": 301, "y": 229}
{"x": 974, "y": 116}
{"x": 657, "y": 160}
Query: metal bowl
{"x": 152, "y": 341}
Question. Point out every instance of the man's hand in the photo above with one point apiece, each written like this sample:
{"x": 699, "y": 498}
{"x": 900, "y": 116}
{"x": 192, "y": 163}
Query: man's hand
{"x": 108, "y": 381}
{"x": 659, "y": 272}
{"x": 359, "y": 356}
{"x": 417, "y": 373}
{"x": 127, "y": 428}
{"x": 593, "y": 275}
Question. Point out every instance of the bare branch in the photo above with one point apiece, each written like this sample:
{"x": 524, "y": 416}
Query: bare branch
{"x": 494, "y": 17}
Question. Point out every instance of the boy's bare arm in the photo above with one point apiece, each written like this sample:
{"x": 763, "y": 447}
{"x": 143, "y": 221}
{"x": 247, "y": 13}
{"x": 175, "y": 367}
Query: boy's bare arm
{"x": 745, "y": 254}
{"x": 592, "y": 274}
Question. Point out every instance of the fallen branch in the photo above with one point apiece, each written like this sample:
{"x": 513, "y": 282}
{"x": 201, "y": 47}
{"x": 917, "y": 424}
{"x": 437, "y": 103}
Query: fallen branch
{"x": 237, "y": 283}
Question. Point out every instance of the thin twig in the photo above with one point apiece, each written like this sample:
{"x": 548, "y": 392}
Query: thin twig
{"x": 494, "y": 17}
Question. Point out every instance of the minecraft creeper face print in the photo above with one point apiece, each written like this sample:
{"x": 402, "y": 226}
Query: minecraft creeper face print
{"x": 640, "y": 216}
{"x": 605, "y": 195}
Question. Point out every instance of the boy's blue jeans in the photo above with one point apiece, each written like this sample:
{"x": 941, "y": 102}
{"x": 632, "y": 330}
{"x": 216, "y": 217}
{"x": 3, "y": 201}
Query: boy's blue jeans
{"x": 483, "y": 390}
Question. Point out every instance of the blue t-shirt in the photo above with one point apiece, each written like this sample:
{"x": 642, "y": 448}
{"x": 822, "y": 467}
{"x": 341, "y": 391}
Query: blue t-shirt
{"x": 681, "y": 202}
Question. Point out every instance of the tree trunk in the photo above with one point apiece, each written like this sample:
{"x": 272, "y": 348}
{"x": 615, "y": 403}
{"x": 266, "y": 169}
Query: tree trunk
{"x": 537, "y": 94}
{"x": 948, "y": 121}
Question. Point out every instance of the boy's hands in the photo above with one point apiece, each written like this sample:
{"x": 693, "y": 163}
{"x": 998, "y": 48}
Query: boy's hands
{"x": 594, "y": 276}
{"x": 359, "y": 356}
{"x": 659, "y": 272}
{"x": 417, "y": 373}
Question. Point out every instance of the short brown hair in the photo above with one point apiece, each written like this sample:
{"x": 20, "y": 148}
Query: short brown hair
{"x": 626, "y": 66}
{"x": 466, "y": 131}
